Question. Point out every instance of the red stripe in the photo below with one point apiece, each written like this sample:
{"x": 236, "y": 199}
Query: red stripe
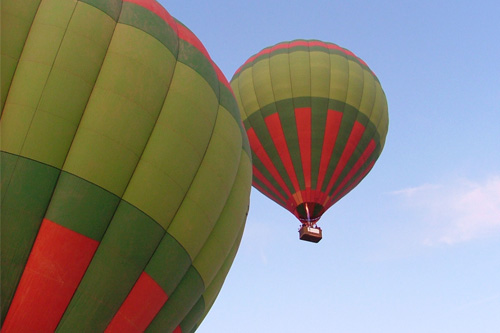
{"x": 276, "y": 196}
{"x": 303, "y": 120}
{"x": 56, "y": 265}
{"x": 333, "y": 121}
{"x": 177, "y": 330}
{"x": 352, "y": 143}
{"x": 333, "y": 200}
{"x": 140, "y": 307}
{"x": 275, "y": 129}
{"x": 156, "y": 8}
{"x": 261, "y": 154}
{"x": 362, "y": 159}
{"x": 329, "y": 46}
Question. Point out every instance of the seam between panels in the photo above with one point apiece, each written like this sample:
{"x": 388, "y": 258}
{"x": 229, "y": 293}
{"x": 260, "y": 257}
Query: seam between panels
{"x": 330, "y": 169}
{"x": 24, "y": 141}
{"x": 43, "y": 89}
{"x": 139, "y": 159}
{"x": 70, "y": 146}
{"x": 20, "y": 55}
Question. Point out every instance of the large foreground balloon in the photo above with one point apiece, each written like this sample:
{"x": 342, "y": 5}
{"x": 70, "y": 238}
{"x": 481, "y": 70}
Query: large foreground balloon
{"x": 125, "y": 169}
{"x": 316, "y": 118}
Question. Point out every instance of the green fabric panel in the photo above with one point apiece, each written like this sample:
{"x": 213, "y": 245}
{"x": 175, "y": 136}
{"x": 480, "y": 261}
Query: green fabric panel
{"x": 212, "y": 290}
{"x": 279, "y": 66}
{"x": 345, "y": 129}
{"x": 300, "y": 73}
{"x": 339, "y": 77}
{"x": 122, "y": 109}
{"x": 256, "y": 121}
{"x": 82, "y": 206}
{"x": 69, "y": 85}
{"x": 34, "y": 67}
{"x": 289, "y": 125}
{"x": 179, "y": 304}
{"x": 110, "y": 7}
{"x": 319, "y": 112}
{"x": 381, "y": 104}
{"x": 320, "y": 73}
{"x": 262, "y": 82}
{"x": 192, "y": 318}
{"x": 142, "y": 18}
{"x": 247, "y": 99}
{"x": 210, "y": 189}
{"x": 369, "y": 92}
{"x": 16, "y": 21}
{"x": 368, "y": 135}
{"x": 231, "y": 221}
{"x": 128, "y": 244}
{"x": 192, "y": 57}
{"x": 355, "y": 85}
{"x": 169, "y": 264}
{"x": 26, "y": 191}
{"x": 228, "y": 102}
{"x": 176, "y": 147}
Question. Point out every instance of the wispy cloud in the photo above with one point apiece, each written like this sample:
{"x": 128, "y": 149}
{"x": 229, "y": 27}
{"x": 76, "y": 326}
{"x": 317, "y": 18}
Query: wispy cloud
{"x": 455, "y": 211}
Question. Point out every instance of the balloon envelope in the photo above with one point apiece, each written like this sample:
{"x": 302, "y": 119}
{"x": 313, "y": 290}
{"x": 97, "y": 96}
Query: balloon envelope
{"x": 316, "y": 118}
{"x": 126, "y": 171}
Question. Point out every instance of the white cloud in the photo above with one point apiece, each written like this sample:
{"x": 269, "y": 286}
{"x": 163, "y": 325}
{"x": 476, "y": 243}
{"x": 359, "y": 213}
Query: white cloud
{"x": 456, "y": 211}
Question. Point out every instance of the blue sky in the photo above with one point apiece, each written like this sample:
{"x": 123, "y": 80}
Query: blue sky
{"x": 416, "y": 246}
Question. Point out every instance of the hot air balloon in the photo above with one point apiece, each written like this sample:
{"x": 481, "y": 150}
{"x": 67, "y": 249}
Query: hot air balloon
{"x": 126, "y": 170}
{"x": 316, "y": 118}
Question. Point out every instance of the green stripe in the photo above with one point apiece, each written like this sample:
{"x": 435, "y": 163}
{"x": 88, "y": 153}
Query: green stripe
{"x": 142, "y": 18}
{"x": 192, "y": 318}
{"x": 319, "y": 112}
{"x": 82, "y": 206}
{"x": 318, "y": 122}
{"x": 169, "y": 264}
{"x": 179, "y": 304}
{"x": 303, "y": 49}
{"x": 110, "y": 7}
{"x": 128, "y": 244}
{"x": 27, "y": 186}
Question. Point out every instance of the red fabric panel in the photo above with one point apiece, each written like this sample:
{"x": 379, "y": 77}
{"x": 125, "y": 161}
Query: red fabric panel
{"x": 333, "y": 121}
{"x": 140, "y": 307}
{"x": 352, "y": 143}
{"x": 303, "y": 120}
{"x": 359, "y": 163}
{"x": 156, "y": 8}
{"x": 275, "y": 129}
{"x": 55, "y": 267}
{"x": 348, "y": 189}
{"x": 177, "y": 330}
{"x": 261, "y": 154}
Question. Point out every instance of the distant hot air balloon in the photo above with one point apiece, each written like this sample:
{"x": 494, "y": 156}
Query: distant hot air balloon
{"x": 126, "y": 171}
{"x": 316, "y": 118}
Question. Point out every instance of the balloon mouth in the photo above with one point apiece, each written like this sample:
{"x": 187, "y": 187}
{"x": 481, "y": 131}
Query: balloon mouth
{"x": 309, "y": 212}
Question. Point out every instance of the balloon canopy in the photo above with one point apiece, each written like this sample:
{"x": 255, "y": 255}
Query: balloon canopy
{"x": 316, "y": 118}
{"x": 126, "y": 171}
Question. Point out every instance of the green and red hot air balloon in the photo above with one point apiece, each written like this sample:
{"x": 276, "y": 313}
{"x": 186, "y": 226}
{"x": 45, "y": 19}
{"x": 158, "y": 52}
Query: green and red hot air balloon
{"x": 126, "y": 171}
{"x": 316, "y": 118}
